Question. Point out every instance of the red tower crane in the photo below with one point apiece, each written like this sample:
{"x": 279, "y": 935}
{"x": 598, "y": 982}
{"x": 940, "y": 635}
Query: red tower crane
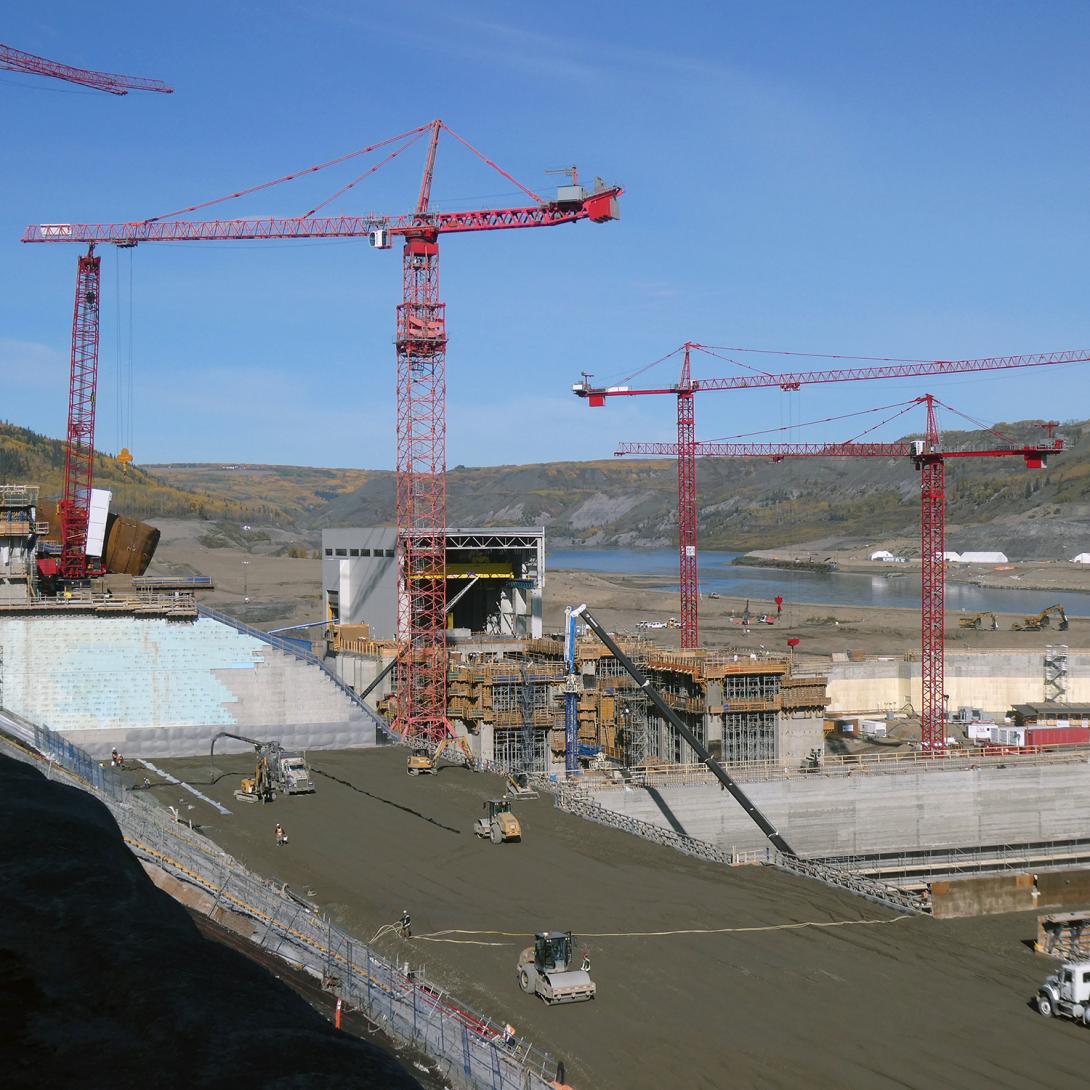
{"x": 686, "y": 387}
{"x": 930, "y": 460}
{"x": 421, "y": 375}
{"x": 15, "y": 60}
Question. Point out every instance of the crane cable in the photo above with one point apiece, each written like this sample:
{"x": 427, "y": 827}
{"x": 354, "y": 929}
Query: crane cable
{"x": 124, "y": 354}
{"x": 438, "y": 936}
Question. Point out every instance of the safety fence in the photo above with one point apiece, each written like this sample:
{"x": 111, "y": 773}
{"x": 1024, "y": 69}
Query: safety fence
{"x": 575, "y": 800}
{"x": 847, "y": 765}
{"x": 470, "y": 1049}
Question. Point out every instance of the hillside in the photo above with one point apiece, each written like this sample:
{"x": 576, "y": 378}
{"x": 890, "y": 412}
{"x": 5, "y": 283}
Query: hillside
{"x": 29, "y": 458}
{"x": 743, "y": 504}
{"x": 627, "y": 502}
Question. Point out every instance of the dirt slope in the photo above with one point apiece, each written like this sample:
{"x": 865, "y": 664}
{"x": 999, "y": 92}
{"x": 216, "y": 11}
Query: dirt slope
{"x": 106, "y": 982}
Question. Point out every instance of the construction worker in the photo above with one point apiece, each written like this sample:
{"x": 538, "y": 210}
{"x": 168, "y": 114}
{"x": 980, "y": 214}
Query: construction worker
{"x": 508, "y": 1034}
{"x": 281, "y": 836}
{"x": 586, "y": 962}
{"x": 406, "y": 924}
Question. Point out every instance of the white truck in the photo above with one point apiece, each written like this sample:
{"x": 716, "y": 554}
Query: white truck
{"x": 1067, "y": 992}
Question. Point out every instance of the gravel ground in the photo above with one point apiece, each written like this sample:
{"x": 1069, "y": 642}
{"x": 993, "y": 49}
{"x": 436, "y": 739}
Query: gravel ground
{"x": 876, "y": 1002}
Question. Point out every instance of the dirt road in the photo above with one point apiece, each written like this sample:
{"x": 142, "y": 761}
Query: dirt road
{"x": 874, "y": 1002}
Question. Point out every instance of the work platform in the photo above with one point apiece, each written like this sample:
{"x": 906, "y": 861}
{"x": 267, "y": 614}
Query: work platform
{"x": 180, "y": 605}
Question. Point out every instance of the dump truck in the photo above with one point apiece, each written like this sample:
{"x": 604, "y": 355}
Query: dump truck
{"x": 1067, "y": 993}
{"x": 277, "y": 770}
{"x": 977, "y": 621}
{"x": 1043, "y": 620}
{"x": 498, "y": 823}
{"x": 545, "y": 969}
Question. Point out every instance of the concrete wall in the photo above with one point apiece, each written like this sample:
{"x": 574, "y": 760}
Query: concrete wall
{"x": 994, "y": 893}
{"x": 156, "y": 687}
{"x": 364, "y": 587}
{"x": 991, "y": 680}
{"x": 870, "y": 812}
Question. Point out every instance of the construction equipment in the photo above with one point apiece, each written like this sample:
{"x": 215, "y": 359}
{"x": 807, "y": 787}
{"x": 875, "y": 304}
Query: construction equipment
{"x": 757, "y": 377}
{"x": 1043, "y": 620}
{"x": 498, "y": 823}
{"x": 278, "y": 770}
{"x": 420, "y": 762}
{"x": 518, "y": 783}
{"x": 420, "y": 344}
{"x": 976, "y": 620}
{"x": 423, "y": 759}
{"x": 545, "y": 969}
{"x": 1067, "y": 993}
{"x": 680, "y": 726}
{"x": 929, "y": 459}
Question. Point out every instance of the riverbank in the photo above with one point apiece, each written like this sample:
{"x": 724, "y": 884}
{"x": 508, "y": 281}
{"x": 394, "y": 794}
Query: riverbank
{"x": 620, "y": 601}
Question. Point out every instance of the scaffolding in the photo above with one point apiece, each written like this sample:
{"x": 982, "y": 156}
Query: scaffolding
{"x": 514, "y": 696}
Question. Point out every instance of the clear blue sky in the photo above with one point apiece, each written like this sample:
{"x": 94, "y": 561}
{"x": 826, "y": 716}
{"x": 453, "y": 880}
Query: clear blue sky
{"x": 861, "y": 177}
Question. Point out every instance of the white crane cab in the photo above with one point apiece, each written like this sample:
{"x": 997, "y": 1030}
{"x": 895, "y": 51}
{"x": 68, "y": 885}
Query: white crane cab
{"x": 1067, "y": 992}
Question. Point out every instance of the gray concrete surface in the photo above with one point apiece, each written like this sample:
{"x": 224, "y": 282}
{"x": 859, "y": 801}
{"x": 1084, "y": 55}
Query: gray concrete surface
{"x": 890, "y": 1003}
{"x": 870, "y": 811}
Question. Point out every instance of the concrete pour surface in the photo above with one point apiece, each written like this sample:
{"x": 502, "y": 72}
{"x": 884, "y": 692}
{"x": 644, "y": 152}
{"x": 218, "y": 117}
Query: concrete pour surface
{"x": 876, "y": 1002}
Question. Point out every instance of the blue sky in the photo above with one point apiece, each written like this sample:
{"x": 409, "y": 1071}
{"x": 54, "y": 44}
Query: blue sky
{"x": 871, "y": 178}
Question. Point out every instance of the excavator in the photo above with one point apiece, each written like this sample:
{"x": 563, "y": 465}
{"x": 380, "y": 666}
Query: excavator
{"x": 1043, "y": 620}
{"x": 422, "y": 761}
{"x": 976, "y": 620}
{"x": 277, "y": 770}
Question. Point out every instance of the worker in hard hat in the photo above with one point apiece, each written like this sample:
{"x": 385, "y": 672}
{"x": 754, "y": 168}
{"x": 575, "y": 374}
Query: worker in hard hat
{"x": 406, "y": 922}
{"x": 281, "y": 836}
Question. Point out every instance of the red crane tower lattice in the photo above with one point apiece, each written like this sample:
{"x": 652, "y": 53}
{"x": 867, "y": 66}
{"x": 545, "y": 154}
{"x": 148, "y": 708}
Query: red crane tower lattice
{"x": 686, "y": 387}
{"x": 421, "y": 373}
{"x": 930, "y": 460}
{"x": 16, "y": 60}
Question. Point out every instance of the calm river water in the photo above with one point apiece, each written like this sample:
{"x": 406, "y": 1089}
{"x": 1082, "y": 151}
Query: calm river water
{"x": 836, "y": 588}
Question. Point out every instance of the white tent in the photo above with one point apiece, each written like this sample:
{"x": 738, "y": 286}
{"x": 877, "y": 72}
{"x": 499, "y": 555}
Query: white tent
{"x": 1082, "y": 558}
{"x": 984, "y": 558}
{"x": 881, "y": 554}
{"x": 953, "y": 558}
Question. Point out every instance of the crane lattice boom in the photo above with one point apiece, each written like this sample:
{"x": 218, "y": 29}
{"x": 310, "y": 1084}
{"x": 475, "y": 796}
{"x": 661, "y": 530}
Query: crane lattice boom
{"x": 16, "y": 60}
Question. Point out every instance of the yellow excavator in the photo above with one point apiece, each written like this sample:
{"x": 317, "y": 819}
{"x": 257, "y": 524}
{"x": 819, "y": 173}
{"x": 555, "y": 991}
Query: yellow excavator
{"x": 976, "y": 620}
{"x": 422, "y": 761}
{"x": 1043, "y": 620}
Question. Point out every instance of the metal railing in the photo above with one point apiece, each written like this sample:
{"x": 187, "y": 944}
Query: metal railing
{"x": 964, "y": 759}
{"x": 291, "y": 648}
{"x": 469, "y": 1046}
{"x": 575, "y": 800}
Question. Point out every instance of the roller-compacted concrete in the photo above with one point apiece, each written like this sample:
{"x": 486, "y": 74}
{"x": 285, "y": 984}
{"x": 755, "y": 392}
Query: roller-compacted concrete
{"x": 706, "y": 976}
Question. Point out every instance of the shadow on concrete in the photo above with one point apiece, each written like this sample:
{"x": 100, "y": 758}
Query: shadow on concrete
{"x": 388, "y": 802}
{"x": 665, "y": 810}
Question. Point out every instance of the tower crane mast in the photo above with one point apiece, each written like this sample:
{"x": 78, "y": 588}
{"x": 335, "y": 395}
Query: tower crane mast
{"x": 930, "y": 460}
{"x": 420, "y": 340}
{"x": 686, "y": 387}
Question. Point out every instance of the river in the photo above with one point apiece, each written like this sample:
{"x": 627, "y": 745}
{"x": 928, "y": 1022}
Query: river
{"x": 761, "y": 585}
